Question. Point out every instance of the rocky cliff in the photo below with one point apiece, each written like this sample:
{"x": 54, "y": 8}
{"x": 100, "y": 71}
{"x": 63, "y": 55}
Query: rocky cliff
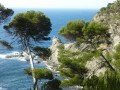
{"x": 94, "y": 65}
{"x": 54, "y": 50}
{"x": 56, "y": 43}
{"x": 110, "y": 15}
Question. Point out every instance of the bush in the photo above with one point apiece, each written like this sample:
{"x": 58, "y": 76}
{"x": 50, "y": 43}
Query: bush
{"x": 73, "y": 29}
{"x": 109, "y": 81}
{"x": 40, "y": 73}
{"x": 42, "y": 52}
{"x": 52, "y": 85}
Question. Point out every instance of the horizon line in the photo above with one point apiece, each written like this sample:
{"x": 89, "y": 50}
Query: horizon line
{"x": 54, "y": 8}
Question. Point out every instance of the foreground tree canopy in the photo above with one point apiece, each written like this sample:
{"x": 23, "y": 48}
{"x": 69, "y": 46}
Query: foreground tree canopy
{"x": 30, "y": 24}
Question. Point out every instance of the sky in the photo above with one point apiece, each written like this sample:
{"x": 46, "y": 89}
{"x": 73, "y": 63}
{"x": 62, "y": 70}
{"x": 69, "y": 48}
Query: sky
{"x": 75, "y": 4}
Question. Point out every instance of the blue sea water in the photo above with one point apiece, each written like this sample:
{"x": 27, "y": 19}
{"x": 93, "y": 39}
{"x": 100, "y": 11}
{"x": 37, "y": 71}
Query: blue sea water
{"x": 12, "y": 75}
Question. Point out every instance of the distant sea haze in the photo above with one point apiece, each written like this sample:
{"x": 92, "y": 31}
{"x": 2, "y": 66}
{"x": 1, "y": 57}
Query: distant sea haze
{"x": 12, "y": 75}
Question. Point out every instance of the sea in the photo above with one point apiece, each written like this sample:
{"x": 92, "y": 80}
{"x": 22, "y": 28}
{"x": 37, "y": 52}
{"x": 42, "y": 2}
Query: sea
{"x": 12, "y": 76}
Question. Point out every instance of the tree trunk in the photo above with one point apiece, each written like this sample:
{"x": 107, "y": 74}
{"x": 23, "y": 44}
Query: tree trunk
{"x": 109, "y": 65}
{"x": 35, "y": 85}
{"x": 31, "y": 63}
{"x": 105, "y": 60}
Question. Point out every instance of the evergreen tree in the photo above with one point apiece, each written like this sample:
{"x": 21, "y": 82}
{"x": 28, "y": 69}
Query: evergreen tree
{"x": 93, "y": 33}
{"x": 29, "y": 26}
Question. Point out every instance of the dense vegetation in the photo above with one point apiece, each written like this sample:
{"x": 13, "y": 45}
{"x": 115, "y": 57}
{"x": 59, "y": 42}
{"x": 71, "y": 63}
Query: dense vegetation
{"x": 87, "y": 32}
{"x": 75, "y": 73}
{"x": 95, "y": 34}
{"x": 73, "y": 63}
{"x": 111, "y": 12}
{"x": 109, "y": 81}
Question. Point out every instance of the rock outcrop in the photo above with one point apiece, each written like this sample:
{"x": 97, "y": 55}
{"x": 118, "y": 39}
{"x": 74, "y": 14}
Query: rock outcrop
{"x": 114, "y": 27}
{"x": 56, "y": 42}
{"x": 95, "y": 65}
{"x": 54, "y": 50}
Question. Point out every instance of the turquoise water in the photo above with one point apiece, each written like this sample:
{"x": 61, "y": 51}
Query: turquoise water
{"x": 12, "y": 75}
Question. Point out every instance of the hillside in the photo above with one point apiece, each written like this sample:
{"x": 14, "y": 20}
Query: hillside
{"x": 93, "y": 60}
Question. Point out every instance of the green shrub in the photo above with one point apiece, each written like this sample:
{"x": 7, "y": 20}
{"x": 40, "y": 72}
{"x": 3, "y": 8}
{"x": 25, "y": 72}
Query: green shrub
{"x": 40, "y": 73}
{"x": 73, "y": 29}
{"x": 109, "y": 81}
{"x": 42, "y": 52}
